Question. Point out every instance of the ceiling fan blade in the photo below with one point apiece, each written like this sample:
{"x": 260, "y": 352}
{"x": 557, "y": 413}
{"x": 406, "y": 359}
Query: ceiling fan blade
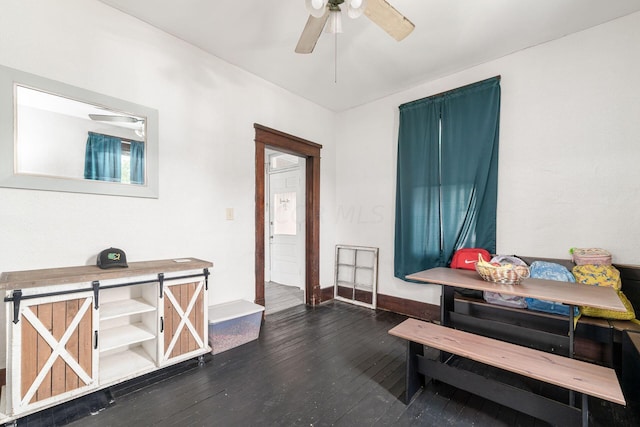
{"x": 389, "y": 19}
{"x": 311, "y": 33}
{"x": 110, "y": 118}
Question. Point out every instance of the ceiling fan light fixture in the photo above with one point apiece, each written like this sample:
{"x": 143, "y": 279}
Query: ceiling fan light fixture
{"x": 355, "y": 8}
{"x": 334, "y": 24}
{"x": 316, "y": 8}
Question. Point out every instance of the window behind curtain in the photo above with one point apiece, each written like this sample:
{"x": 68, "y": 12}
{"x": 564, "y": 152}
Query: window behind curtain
{"x": 447, "y": 176}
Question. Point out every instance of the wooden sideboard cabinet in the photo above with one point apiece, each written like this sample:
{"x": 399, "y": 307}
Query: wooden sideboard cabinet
{"x": 74, "y": 330}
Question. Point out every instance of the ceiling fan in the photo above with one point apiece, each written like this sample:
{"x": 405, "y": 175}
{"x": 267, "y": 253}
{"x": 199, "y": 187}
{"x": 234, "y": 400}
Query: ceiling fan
{"x": 114, "y": 118}
{"x": 323, "y": 11}
{"x": 140, "y": 131}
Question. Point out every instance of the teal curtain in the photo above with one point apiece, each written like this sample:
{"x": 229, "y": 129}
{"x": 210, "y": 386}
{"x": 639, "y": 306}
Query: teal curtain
{"x": 447, "y": 176}
{"x": 137, "y": 162}
{"x": 417, "y": 201}
{"x": 103, "y": 158}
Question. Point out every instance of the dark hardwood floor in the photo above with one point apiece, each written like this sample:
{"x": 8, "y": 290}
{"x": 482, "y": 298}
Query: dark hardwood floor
{"x": 330, "y": 365}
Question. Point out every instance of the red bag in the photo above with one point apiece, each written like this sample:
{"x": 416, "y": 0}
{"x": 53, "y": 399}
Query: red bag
{"x": 466, "y": 258}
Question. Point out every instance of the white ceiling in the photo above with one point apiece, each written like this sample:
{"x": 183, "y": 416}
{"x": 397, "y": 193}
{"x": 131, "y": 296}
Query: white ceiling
{"x": 450, "y": 35}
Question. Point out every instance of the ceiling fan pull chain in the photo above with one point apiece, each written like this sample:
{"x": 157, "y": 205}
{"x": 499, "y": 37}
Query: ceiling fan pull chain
{"x": 335, "y": 59}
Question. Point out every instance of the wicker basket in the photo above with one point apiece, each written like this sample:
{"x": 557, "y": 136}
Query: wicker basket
{"x": 506, "y": 275}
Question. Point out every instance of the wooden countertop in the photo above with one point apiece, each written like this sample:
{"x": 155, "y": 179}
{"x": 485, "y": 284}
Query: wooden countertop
{"x": 87, "y": 273}
{"x": 565, "y": 292}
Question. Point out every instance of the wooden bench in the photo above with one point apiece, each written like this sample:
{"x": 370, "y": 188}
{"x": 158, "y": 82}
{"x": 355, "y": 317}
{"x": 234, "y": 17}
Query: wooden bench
{"x": 571, "y": 374}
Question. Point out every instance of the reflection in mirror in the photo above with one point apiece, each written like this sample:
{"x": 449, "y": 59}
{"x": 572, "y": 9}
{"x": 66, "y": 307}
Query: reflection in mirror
{"x": 62, "y": 138}
{"x": 76, "y": 140}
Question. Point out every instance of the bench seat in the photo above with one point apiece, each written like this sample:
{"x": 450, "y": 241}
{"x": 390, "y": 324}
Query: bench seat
{"x": 582, "y": 377}
{"x": 571, "y": 374}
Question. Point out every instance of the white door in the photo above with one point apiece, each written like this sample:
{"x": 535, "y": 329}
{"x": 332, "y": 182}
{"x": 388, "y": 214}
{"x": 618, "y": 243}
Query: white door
{"x": 286, "y": 227}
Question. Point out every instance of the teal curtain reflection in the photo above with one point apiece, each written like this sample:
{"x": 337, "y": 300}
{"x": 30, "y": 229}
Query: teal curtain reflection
{"x": 447, "y": 176}
{"x": 103, "y": 158}
{"x": 137, "y": 162}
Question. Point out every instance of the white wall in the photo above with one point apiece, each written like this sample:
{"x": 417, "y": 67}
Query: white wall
{"x": 569, "y": 172}
{"x": 569, "y": 149}
{"x": 207, "y": 109}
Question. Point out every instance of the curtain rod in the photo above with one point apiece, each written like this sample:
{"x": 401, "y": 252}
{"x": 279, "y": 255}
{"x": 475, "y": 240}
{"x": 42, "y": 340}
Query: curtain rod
{"x": 498, "y": 77}
{"x": 119, "y": 137}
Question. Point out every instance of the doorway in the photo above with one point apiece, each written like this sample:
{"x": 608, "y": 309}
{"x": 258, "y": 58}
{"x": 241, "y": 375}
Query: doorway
{"x": 284, "y": 228}
{"x": 266, "y": 138}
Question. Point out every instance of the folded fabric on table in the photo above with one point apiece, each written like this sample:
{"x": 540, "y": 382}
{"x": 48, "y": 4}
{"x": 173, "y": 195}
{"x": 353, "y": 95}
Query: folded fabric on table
{"x": 550, "y": 271}
{"x": 598, "y": 275}
{"x": 608, "y": 276}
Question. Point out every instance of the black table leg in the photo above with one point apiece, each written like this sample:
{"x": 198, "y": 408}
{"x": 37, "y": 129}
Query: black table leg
{"x": 585, "y": 410}
{"x": 572, "y": 397}
{"x": 446, "y": 306}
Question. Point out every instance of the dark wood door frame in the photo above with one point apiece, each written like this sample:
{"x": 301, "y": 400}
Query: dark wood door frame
{"x": 270, "y": 138}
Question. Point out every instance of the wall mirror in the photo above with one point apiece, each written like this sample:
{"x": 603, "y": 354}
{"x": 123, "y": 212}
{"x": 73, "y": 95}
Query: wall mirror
{"x": 58, "y": 137}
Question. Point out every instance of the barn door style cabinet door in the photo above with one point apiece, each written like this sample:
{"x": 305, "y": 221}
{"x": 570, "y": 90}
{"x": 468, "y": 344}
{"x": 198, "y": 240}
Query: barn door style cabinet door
{"x": 71, "y": 331}
{"x": 52, "y": 355}
{"x": 183, "y": 319}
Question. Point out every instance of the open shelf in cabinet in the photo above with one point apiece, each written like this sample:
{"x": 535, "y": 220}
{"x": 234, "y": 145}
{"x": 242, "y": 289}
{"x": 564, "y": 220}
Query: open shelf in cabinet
{"x": 113, "y": 310}
{"x": 125, "y": 364}
{"x": 124, "y": 336}
{"x": 128, "y": 337}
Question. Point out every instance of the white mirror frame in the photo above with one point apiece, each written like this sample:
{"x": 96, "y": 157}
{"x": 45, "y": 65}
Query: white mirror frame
{"x": 9, "y": 77}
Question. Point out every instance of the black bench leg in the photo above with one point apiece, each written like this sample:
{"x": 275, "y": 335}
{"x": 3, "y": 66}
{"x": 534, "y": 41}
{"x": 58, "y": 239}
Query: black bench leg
{"x": 415, "y": 380}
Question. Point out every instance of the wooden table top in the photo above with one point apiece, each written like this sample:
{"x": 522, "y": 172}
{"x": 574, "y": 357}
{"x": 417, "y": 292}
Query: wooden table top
{"x": 86, "y": 273}
{"x": 565, "y": 292}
